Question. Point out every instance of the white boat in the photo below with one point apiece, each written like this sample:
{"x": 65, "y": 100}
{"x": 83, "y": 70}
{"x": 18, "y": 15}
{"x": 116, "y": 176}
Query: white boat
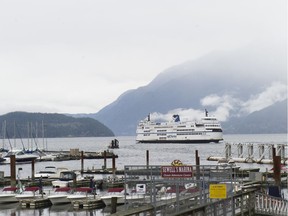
{"x": 8, "y": 195}
{"x": 114, "y": 192}
{"x": 50, "y": 172}
{"x": 136, "y": 197}
{"x": 20, "y": 156}
{"x": 66, "y": 179}
{"x": 208, "y": 129}
{"x": 30, "y": 193}
{"x": 60, "y": 196}
{"x": 82, "y": 193}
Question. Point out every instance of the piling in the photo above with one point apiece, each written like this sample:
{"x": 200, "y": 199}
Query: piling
{"x": 113, "y": 164}
{"x": 277, "y": 168}
{"x": 147, "y": 158}
{"x": 13, "y": 170}
{"x": 82, "y": 162}
{"x": 33, "y": 169}
{"x": 197, "y": 158}
{"x": 113, "y": 205}
{"x": 105, "y": 160}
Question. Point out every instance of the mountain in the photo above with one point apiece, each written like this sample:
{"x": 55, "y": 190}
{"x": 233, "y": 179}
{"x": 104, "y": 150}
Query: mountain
{"x": 233, "y": 84}
{"x": 272, "y": 119}
{"x": 20, "y": 124}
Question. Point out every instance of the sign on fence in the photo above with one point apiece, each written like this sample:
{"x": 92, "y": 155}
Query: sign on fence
{"x": 176, "y": 171}
{"x": 217, "y": 191}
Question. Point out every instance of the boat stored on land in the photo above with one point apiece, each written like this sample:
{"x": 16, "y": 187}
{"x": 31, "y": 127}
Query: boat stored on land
{"x": 208, "y": 129}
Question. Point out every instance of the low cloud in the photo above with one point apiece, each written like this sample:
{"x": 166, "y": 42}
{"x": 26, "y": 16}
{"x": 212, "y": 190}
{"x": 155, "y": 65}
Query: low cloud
{"x": 226, "y": 105}
{"x": 275, "y": 93}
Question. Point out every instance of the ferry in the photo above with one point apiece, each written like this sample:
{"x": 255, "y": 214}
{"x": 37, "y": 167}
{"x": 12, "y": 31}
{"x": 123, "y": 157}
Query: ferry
{"x": 207, "y": 130}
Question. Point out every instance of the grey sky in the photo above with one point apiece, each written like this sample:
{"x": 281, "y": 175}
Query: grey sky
{"x": 73, "y": 56}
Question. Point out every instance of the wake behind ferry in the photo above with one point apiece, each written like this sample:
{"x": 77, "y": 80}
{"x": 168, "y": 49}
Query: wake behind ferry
{"x": 208, "y": 129}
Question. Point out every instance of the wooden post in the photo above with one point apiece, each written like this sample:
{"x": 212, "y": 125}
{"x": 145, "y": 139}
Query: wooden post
{"x": 276, "y": 168}
{"x": 113, "y": 164}
{"x": 147, "y": 158}
{"x": 147, "y": 162}
{"x": 13, "y": 170}
{"x": 82, "y": 162}
{"x": 33, "y": 169}
{"x": 105, "y": 160}
{"x": 113, "y": 205}
{"x": 74, "y": 181}
{"x": 197, "y": 165}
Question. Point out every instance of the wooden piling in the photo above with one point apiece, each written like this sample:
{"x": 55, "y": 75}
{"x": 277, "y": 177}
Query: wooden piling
{"x": 113, "y": 205}
{"x": 13, "y": 170}
{"x": 147, "y": 158}
{"x": 197, "y": 160}
{"x": 82, "y": 162}
{"x": 113, "y": 164}
{"x": 33, "y": 170}
{"x": 105, "y": 159}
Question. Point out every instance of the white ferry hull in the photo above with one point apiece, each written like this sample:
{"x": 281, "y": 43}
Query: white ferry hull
{"x": 205, "y": 131}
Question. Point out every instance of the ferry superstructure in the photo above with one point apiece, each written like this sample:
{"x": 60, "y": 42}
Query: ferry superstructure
{"x": 208, "y": 129}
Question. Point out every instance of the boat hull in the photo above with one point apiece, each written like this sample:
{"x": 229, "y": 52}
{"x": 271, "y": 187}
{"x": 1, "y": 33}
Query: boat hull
{"x": 180, "y": 141}
{"x": 108, "y": 199}
{"x": 8, "y": 198}
{"x": 59, "y": 199}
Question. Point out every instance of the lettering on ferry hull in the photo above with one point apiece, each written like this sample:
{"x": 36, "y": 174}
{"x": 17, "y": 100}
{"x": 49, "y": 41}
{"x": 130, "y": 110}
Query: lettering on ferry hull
{"x": 176, "y": 171}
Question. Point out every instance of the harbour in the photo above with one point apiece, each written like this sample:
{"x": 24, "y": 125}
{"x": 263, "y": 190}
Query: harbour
{"x": 131, "y": 153}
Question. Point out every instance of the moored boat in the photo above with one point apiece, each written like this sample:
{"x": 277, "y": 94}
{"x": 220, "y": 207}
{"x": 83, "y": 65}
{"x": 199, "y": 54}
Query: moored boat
{"x": 30, "y": 193}
{"x": 60, "y": 196}
{"x": 114, "y": 192}
{"x": 82, "y": 193}
{"x": 208, "y": 129}
{"x": 8, "y": 195}
{"x": 20, "y": 156}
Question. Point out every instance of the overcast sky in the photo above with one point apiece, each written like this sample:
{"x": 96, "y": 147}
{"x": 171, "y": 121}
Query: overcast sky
{"x": 69, "y": 56}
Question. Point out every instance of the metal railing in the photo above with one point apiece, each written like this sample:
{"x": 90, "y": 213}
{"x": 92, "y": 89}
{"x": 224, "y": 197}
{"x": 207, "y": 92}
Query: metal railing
{"x": 270, "y": 205}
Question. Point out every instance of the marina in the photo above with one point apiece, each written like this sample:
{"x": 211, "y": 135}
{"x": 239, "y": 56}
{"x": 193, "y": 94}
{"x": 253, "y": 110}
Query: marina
{"x": 139, "y": 175}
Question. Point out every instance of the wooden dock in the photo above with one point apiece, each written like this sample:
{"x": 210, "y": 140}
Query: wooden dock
{"x": 35, "y": 203}
{"x": 88, "y": 204}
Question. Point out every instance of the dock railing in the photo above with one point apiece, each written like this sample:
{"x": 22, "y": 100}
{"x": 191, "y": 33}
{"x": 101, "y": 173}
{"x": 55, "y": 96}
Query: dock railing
{"x": 269, "y": 205}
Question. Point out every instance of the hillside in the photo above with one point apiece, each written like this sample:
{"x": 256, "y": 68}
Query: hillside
{"x": 234, "y": 81}
{"x": 54, "y": 125}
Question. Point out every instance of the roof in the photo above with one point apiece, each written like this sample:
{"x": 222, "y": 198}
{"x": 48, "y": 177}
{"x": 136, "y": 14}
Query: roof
{"x": 62, "y": 189}
{"x": 10, "y": 189}
{"x": 31, "y": 188}
{"x": 84, "y": 189}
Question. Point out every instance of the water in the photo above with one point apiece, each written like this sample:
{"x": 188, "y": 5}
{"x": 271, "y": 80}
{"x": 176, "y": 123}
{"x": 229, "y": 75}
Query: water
{"x": 129, "y": 153}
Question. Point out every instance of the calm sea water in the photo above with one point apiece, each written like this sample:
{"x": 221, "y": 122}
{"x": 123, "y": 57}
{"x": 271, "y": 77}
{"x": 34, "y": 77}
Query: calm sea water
{"x": 129, "y": 153}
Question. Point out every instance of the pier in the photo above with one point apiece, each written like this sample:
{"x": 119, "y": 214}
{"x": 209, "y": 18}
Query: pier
{"x": 246, "y": 153}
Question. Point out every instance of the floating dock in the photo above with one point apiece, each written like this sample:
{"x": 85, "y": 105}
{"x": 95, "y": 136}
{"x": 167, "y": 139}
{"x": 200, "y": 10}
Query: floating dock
{"x": 35, "y": 203}
{"x": 88, "y": 204}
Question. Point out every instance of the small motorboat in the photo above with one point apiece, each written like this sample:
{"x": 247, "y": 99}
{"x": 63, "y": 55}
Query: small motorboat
{"x": 30, "y": 193}
{"x": 8, "y": 195}
{"x": 66, "y": 178}
{"x": 50, "y": 172}
{"x": 114, "y": 192}
{"x": 82, "y": 193}
{"x": 60, "y": 195}
{"x": 114, "y": 144}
